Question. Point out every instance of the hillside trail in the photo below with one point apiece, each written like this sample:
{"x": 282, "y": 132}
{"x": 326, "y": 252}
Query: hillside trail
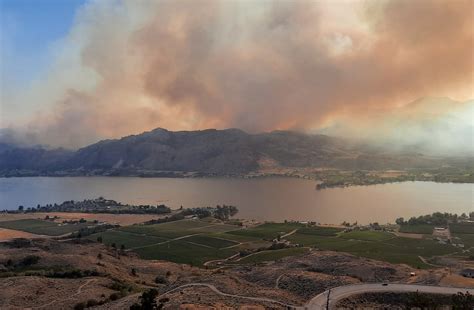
{"x": 78, "y": 291}
{"x": 217, "y": 291}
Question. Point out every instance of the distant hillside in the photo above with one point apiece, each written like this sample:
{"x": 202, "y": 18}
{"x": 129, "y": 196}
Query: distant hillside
{"x": 208, "y": 152}
{"x": 212, "y": 151}
{"x": 31, "y": 161}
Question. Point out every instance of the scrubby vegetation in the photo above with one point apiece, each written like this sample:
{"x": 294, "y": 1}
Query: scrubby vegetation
{"x": 414, "y": 300}
{"x": 86, "y": 231}
{"x": 148, "y": 301}
{"x": 122, "y": 291}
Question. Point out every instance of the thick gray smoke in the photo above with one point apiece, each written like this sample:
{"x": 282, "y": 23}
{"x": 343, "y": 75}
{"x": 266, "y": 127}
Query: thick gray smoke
{"x": 129, "y": 66}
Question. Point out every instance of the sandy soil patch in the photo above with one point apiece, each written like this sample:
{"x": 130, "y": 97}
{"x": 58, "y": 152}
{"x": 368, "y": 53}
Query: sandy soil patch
{"x": 121, "y": 219}
{"x": 457, "y": 280}
{"x": 8, "y": 234}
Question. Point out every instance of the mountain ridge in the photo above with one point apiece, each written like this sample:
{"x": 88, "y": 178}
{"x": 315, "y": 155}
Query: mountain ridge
{"x": 207, "y": 152}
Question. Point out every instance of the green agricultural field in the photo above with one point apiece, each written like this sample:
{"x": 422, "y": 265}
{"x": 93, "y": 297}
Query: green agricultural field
{"x": 236, "y": 238}
{"x": 467, "y": 239}
{"x": 320, "y": 231}
{"x": 182, "y": 225}
{"x": 308, "y": 240}
{"x": 129, "y": 240}
{"x": 462, "y": 228}
{"x": 424, "y": 229}
{"x": 216, "y": 228}
{"x": 205, "y": 241}
{"x": 377, "y": 245}
{"x": 368, "y": 235}
{"x": 392, "y": 250}
{"x": 177, "y": 229}
{"x": 41, "y": 227}
{"x": 184, "y": 252}
{"x": 202, "y": 241}
{"x": 272, "y": 255}
{"x": 154, "y": 230}
{"x": 210, "y": 241}
{"x": 268, "y": 230}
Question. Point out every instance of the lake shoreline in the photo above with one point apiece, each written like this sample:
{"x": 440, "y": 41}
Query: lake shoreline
{"x": 321, "y": 184}
{"x": 270, "y": 198}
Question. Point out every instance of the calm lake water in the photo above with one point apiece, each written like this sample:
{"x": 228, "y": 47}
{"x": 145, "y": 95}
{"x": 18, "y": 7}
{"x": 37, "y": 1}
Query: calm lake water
{"x": 273, "y": 199}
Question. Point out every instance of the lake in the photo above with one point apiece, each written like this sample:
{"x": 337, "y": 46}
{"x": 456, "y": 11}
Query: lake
{"x": 273, "y": 199}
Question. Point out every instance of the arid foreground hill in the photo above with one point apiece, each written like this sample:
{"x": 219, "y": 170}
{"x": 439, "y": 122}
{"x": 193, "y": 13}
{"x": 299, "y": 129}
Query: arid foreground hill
{"x": 51, "y": 274}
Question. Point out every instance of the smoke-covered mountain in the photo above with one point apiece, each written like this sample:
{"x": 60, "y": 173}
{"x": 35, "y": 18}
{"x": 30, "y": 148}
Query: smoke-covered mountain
{"x": 31, "y": 160}
{"x": 216, "y": 152}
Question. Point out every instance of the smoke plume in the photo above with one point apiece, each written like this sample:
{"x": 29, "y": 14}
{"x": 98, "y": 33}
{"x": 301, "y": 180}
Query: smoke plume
{"x": 129, "y": 66}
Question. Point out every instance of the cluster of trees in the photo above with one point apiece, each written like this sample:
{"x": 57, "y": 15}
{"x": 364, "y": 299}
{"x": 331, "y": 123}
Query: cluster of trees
{"x": 375, "y": 226}
{"x": 223, "y": 212}
{"x": 86, "y": 231}
{"x": 172, "y": 218}
{"x": 72, "y": 274}
{"x": 26, "y": 261}
{"x": 99, "y": 205}
{"x": 436, "y": 218}
{"x": 342, "y": 179}
{"x": 148, "y": 301}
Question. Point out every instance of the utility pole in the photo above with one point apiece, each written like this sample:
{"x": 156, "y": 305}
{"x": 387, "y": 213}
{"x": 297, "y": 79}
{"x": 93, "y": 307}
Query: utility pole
{"x": 327, "y": 302}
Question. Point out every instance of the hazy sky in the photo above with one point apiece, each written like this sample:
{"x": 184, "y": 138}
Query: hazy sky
{"x": 29, "y": 30}
{"x": 76, "y": 71}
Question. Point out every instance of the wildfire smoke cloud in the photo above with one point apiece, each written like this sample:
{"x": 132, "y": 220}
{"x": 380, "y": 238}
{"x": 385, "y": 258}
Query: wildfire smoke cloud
{"x": 129, "y": 66}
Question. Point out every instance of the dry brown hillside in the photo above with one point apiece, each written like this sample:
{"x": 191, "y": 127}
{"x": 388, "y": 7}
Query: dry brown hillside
{"x": 51, "y": 274}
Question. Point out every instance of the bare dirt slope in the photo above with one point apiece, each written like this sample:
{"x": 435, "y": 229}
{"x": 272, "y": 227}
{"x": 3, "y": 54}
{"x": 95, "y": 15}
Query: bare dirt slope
{"x": 67, "y": 273}
{"x": 8, "y": 234}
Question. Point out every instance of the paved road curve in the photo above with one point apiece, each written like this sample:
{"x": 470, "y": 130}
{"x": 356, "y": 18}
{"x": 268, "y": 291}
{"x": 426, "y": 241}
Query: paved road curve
{"x": 320, "y": 301}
